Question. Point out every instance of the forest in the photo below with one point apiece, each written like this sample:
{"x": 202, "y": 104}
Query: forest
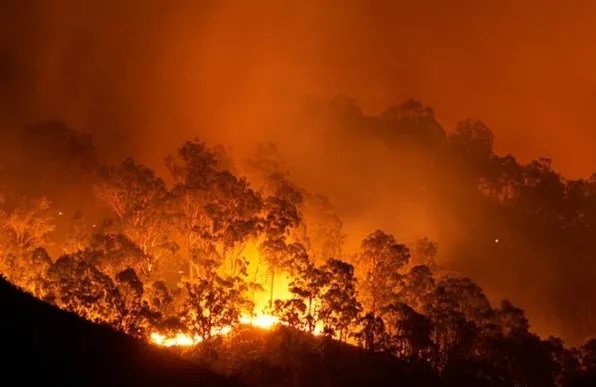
{"x": 189, "y": 257}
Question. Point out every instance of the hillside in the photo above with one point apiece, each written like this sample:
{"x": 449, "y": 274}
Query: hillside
{"x": 286, "y": 357}
{"x": 43, "y": 343}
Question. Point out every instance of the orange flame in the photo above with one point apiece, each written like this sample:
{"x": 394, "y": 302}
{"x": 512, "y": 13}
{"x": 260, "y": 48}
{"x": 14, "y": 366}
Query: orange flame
{"x": 181, "y": 339}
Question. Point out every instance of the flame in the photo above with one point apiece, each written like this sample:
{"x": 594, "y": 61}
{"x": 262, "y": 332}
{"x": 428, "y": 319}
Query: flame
{"x": 263, "y": 321}
{"x": 181, "y": 339}
{"x": 257, "y": 270}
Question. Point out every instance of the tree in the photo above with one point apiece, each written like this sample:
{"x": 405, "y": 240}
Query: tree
{"x": 265, "y": 162}
{"x": 161, "y": 308}
{"x": 533, "y": 365}
{"x": 322, "y": 229}
{"x": 282, "y": 201}
{"x": 281, "y": 257}
{"x": 219, "y": 211}
{"x": 24, "y": 234}
{"x": 135, "y": 311}
{"x": 414, "y": 121}
{"x": 159, "y": 297}
{"x": 81, "y": 288}
{"x": 27, "y": 270}
{"x": 503, "y": 180}
{"x": 79, "y": 234}
{"x": 472, "y": 143}
{"x": 141, "y": 202}
{"x": 112, "y": 253}
{"x": 27, "y": 226}
{"x": 467, "y": 299}
{"x": 417, "y": 287}
{"x": 587, "y": 356}
{"x": 339, "y": 308}
{"x": 302, "y": 310}
{"x": 453, "y": 335}
{"x": 512, "y": 319}
{"x": 211, "y": 305}
{"x": 372, "y": 334}
{"x": 543, "y": 191}
{"x": 566, "y": 362}
{"x": 382, "y": 258}
{"x": 410, "y": 332}
{"x": 425, "y": 253}
{"x": 281, "y": 215}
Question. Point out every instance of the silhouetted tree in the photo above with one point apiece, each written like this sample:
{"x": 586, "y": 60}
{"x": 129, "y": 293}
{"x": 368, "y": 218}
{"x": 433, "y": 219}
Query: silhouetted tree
{"x": 27, "y": 226}
{"x": 339, "y": 308}
{"x": 113, "y": 253}
{"x": 372, "y": 334}
{"x": 382, "y": 258}
{"x": 302, "y": 310}
{"x": 211, "y": 305}
{"x": 79, "y": 287}
{"x": 135, "y": 311}
{"x": 27, "y": 270}
{"x": 417, "y": 287}
{"x": 410, "y": 332}
{"x": 219, "y": 211}
{"x": 142, "y": 204}
{"x": 321, "y": 228}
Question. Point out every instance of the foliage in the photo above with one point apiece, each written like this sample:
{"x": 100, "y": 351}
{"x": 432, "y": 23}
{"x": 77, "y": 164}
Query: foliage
{"x": 339, "y": 306}
{"x": 211, "y": 304}
{"x": 382, "y": 258}
{"x": 81, "y": 288}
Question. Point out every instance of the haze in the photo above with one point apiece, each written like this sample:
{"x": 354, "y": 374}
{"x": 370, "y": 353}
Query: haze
{"x": 227, "y": 69}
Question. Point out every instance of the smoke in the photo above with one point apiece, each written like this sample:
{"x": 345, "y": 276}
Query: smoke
{"x": 144, "y": 76}
{"x": 149, "y": 74}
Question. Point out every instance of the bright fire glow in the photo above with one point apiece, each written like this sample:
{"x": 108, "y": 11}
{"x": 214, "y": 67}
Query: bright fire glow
{"x": 182, "y": 339}
{"x": 179, "y": 340}
{"x": 258, "y": 270}
{"x": 264, "y": 321}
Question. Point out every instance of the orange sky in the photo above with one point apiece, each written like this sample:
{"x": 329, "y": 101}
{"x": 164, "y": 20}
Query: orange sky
{"x": 232, "y": 71}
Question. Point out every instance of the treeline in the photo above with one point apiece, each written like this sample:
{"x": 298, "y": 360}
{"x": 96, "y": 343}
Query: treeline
{"x": 120, "y": 246}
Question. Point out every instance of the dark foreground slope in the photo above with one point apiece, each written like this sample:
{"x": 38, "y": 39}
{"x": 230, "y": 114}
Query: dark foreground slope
{"x": 284, "y": 357}
{"x": 41, "y": 344}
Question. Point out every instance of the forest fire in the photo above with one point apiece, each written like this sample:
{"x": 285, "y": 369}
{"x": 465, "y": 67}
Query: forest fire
{"x": 261, "y": 321}
{"x": 184, "y": 263}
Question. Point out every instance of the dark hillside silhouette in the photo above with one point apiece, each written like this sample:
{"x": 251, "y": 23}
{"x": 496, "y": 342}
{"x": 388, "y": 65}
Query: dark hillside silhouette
{"x": 286, "y": 357}
{"x": 44, "y": 344}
